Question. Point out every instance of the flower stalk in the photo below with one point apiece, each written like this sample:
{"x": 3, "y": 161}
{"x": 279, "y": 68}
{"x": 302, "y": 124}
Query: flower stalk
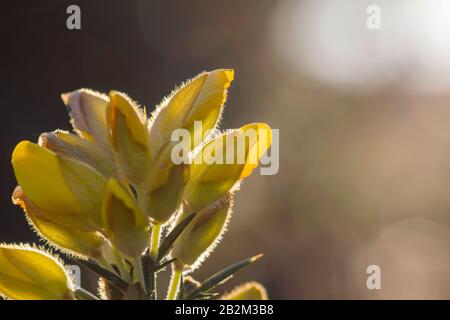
{"x": 174, "y": 285}
{"x": 154, "y": 242}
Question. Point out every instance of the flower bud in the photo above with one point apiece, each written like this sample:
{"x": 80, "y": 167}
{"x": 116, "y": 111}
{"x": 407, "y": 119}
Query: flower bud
{"x": 247, "y": 291}
{"x": 129, "y": 138}
{"x": 223, "y": 162}
{"x": 163, "y": 200}
{"x": 202, "y": 235}
{"x": 163, "y": 190}
{"x": 30, "y": 274}
{"x": 72, "y": 146}
{"x": 124, "y": 223}
{"x": 87, "y": 110}
{"x": 200, "y": 99}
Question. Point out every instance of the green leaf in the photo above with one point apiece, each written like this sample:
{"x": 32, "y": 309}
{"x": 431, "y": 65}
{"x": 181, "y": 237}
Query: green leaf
{"x": 148, "y": 267}
{"x": 107, "y": 275}
{"x": 150, "y": 270}
{"x": 220, "y": 277}
{"x": 169, "y": 241}
{"x": 163, "y": 264}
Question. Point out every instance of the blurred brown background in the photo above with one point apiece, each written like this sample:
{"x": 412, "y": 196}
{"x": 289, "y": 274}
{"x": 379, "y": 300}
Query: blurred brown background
{"x": 364, "y": 119}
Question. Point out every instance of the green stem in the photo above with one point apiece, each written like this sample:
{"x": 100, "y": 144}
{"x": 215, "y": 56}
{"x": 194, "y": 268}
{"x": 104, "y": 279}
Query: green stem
{"x": 152, "y": 288}
{"x": 154, "y": 251}
{"x": 174, "y": 285}
{"x": 154, "y": 242}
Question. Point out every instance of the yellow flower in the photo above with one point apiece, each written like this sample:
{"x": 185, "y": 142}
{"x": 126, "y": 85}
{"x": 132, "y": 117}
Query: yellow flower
{"x": 64, "y": 231}
{"x": 59, "y": 184}
{"x": 87, "y": 110}
{"x": 247, "y": 291}
{"x": 75, "y": 147}
{"x": 95, "y": 193}
{"x": 30, "y": 274}
{"x": 125, "y": 225}
{"x": 201, "y": 99}
{"x": 127, "y": 126}
{"x": 208, "y": 190}
{"x": 210, "y": 181}
{"x": 61, "y": 195}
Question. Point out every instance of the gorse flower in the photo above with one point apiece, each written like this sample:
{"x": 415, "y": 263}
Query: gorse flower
{"x": 104, "y": 193}
{"x": 29, "y": 273}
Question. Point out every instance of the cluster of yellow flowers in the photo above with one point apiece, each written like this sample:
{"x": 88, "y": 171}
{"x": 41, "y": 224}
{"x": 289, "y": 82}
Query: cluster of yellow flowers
{"x": 105, "y": 193}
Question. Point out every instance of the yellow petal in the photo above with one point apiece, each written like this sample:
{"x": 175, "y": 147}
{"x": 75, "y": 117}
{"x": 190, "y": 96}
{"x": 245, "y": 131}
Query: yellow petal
{"x": 248, "y": 291}
{"x": 134, "y": 119}
{"x": 128, "y": 135}
{"x": 39, "y": 174}
{"x": 200, "y": 99}
{"x": 87, "y": 109}
{"x": 238, "y": 153}
{"x": 163, "y": 189}
{"x": 29, "y": 274}
{"x": 202, "y": 235}
{"x": 65, "y": 231}
{"x": 72, "y": 146}
{"x": 163, "y": 201}
{"x": 59, "y": 184}
{"x": 257, "y": 147}
{"x": 125, "y": 225}
{"x": 88, "y": 186}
